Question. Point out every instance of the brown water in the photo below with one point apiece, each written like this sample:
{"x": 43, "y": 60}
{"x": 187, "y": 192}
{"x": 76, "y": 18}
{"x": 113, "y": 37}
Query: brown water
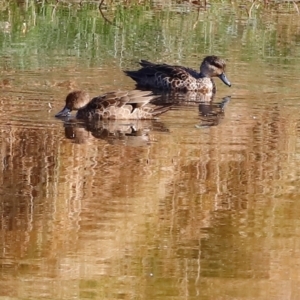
{"x": 196, "y": 205}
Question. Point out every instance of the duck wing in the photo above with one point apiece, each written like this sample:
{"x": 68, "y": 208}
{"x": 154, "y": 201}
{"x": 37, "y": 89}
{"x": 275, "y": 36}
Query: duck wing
{"x": 151, "y": 70}
{"x": 148, "y": 64}
{"x": 136, "y": 98}
{"x": 134, "y": 104}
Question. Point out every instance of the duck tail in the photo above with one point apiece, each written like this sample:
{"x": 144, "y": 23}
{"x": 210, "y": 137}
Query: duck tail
{"x": 146, "y": 63}
{"x": 133, "y": 74}
{"x": 161, "y": 109}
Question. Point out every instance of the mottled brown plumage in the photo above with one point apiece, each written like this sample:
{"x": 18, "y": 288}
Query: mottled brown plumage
{"x": 168, "y": 77}
{"x": 133, "y": 104}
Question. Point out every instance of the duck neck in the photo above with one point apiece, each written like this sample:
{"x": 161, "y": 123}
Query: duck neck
{"x": 201, "y": 75}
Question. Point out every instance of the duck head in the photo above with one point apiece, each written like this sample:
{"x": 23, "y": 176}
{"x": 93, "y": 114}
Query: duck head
{"x": 74, "y": 101}
{"x": 213, "y": 66}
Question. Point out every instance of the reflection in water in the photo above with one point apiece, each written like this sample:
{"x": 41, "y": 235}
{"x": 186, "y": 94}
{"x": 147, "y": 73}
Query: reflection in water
{"x": 57, "y": 197}
{"x": 183, "y": 98}
{"x": 133, "y": 133}
{"x": 204, "y": 208}
{"x": 197, "y": 214}
{"x": 212, "y": 113}
{"x": 136, "y": 132}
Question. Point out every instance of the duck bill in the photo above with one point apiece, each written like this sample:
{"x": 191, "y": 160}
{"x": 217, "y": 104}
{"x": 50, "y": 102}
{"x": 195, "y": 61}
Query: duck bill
{"x": 224, "y": 79}
{"x": 64, "y": 112}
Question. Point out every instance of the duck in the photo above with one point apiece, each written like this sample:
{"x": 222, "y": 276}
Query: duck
{"x": 171, "y": 77}
{"x": 134, "y": 104}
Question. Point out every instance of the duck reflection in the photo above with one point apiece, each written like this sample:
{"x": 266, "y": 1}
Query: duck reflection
{"x": 133, "y": 133}
{"x": 182, "y": 98}
{"x": 212, "y": 113}
{"x": 136, "y": 133}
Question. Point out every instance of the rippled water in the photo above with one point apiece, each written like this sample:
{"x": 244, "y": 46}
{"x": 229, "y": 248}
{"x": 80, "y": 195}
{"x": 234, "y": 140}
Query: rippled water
{"x": 200, "y": 204}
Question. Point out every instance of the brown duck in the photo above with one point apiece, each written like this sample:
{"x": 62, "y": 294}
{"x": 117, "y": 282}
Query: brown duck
{"x": 133, "y": 104}
{"x": 168, "y": 77}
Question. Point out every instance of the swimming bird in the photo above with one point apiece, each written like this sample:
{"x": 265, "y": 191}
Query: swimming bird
{"x": 168, "y": 77}
{"x": 133, "y": 104}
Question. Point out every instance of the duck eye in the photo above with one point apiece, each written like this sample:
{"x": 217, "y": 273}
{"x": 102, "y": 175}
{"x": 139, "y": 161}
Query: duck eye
{"x": 218, "y": 65}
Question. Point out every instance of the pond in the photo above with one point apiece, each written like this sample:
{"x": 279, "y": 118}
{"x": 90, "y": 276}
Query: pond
{"x": 199, "y": 204}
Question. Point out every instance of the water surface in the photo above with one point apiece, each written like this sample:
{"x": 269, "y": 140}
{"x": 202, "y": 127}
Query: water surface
{"x": 201, "y": 204}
